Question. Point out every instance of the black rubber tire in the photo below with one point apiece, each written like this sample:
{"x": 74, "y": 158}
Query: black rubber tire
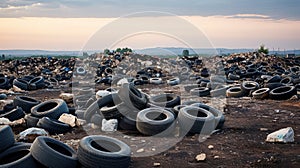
{"x": 8, "y": 107}
{"x": 80, "y": 114}
{"x": 25, "y": 102}
{"x": 53, "y": 126}
{"x": 114, "y": 112}
{"x": 132, "y": 97}
{"x": 53, "y": 153}
{"x": 20, "y": 83}
{"x": 97, "y": 105}
{"x": 283, "y": 93}
{"x": 248, "y": 86}
{"x": 274, "y": 79}
{"x": 261, "y": 93}
{"x": 177, "y": 108}
{"x": 272, "y": 86}
{"x": 193, "y": 119}
{"x": 39, "y": 82}
{"x": 201, "y": 91}
{"x": 174, "y": 81}
{"x": 31, "y": 121}
{"x": 219, "y": 117}
{"x": 128, "y": 123}
{"x": 7, "y": 137}
{"x": 219, "y": 91}
{"x": 97, "y": 119}
{"x": 14, "y": 114}
{"x": 4, "y": 83}
{"x": 287, "y": 81}
{"x": 234, "y": 92}
{"x": 153, "y": 121}
{"x": 167, "y": 100}
{"x": 18, "y": 156}
{"x": 53, "y": 108}
{"x": 102, "y": 151}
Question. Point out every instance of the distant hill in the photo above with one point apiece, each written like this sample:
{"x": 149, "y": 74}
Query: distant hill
{"x": 158, "y": 51}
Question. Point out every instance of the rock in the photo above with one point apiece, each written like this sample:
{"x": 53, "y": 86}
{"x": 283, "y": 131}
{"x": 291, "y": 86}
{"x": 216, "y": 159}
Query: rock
{"x": 210, "y": 147}
{"x": 4, "y": 121}
{"x": 283, "y": 135}
{"x": 216, "y": 157}
{"x": 18, "y": 122}
{"x": 140, "y": 150}
{"x": 67, "y": 97}
{"x": 201, "y": 157}
{"x": 3, "y": 96}
{"x": 109, "y": 125}
{"x": 263, "y": 129}
{"x": 277, "y": 111}
{"x": 31, "y": 133}
{"x": 156, "y": 164}
{"x": 68, "y": 119}
{"x": 102, "y": 93}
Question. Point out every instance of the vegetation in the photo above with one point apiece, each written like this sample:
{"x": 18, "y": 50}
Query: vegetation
{"x": 263, "y": 49}
{"x": 185, "y": 53}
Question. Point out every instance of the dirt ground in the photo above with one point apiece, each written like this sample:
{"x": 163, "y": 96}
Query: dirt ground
{"x": 241, "y": 143}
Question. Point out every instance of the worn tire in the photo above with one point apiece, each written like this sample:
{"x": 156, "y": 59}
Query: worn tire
{"x": 53, "y": 108}
{"x": 219, "y": 91}
{"x": 53, "y": 126}
{"x": 167, "y": 100}
{"x": 102, "y": 151}
{"x": 153, "y": 121}
{"x": 235, "y": 92}
{"x": 20, "y": 83}
{"x": 272, "y": 86}
{"x": 132, "y": 97}
{"x": 282, "y": 93}
{"x": 114, "y": 112}
{"x": 53, "y": 153}
{"x": 201, "y": 91}
{"x": 196, "y": 120}
{"x": 174, "y": 81}
{"x": 156, "y": 81}
{"x": 248, "y": 86}
{"x": 14, "y": 114}
{"x": 31, "y": 121}
{"x": 7, "y": 137}
{"x": 18, "y": 156}
{"x": 25, "y": 102}
{"x": 261, "y": 93}
{"x": 39, "y": 82}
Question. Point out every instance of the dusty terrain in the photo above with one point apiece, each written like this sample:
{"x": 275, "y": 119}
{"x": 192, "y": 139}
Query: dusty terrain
{"x": 241, "y": 143}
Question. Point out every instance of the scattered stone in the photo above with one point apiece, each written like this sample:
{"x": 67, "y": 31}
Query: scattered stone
{"x": 277, "y": 111}
{"x": 201, "y": 157}
{"x": 68, "y": 119}
{"x": 109, "y": 125}
{"x": 210, "y": 147}
{"x": 240, "y": 106}
{"x": 102, "y": 93}
{"x": 4, "y": 121}
{"x": 143, "y": 141}
{"x": 283, "y": 135}
{"x": 31, "y": 133}
{"x": 156, "y": 164}
{"x": 18, "y": 122}
{"x": 140, "y": 150}
{"x": 216, "y": 157}
{"x": 264, "y": 129}
{"x": 67, "y": 97}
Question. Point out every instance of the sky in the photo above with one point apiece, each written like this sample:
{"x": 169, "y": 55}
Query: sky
{"x": 98, "y": 24}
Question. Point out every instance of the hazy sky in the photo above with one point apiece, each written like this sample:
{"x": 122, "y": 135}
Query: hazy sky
{"x": 72, "y": 24}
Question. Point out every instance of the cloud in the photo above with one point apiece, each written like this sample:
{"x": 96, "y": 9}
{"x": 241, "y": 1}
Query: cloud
{"x": 249, "y": 16}
{"x": 114, "y": 8}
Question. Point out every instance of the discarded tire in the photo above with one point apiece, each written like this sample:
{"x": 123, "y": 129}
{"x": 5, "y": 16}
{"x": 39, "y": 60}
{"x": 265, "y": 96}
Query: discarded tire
{"x": 219, "y": 91}
{"x": 114, "y": 112}
{"x": 177, "y": 108}
{"x": 53, "y": 126}
{"x": 7, "y": 137}
{"x": 152, "y": 121}
{"x": 156, "y": 81}
{"x": 196, "y": 120}
{"x": 53, "y": 153}
{"x": 39, "y": 82}
{"x": 235, "y": 92}
{"x": 31, "y": 121}
{"x": 103, "y": 151}
{"x": 168, "y": 100}
{"x": 201, "y": 91}
{"x": 248, "y": 86}
{"x": 174, "y": 81}
{"x": 53, "y": 108}
{"x": 14, "y": 114}
{"x": 80, "y": 71}
{"x": 18, "y": 156}
{"x": 261, "y": 93}
{"x": 4, "y": 83}
{"x": 132, "y": 97}
{"x": 20, "y": 83}
{"x": 25, "y": 102}
{"x": 282, "y": 93}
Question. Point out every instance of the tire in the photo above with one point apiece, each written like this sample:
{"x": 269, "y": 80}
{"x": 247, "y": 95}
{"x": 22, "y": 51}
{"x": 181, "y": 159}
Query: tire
{"x": 39, "y": 82}
{"x": 274, "y": 79}
{"x": 31, "y": 121}
{"x": 20, "y": 83}
{"x": 102, "y": 151}
{"x": 272, "y": 86}
{"x": 18, "y": 156}
{"x": 156, "y": 81}
{"x": 132, "y": 97}
{"x": 261, "y": 93}
{"x": 177, "y": 108}
{"x": 196, "y": 120}
{"x": 188, "y": 88}
{"x": 153, "y": 121}
{"x": 53, "y": 108}
{"x": 234, "y": 92}
{"x": 167, "y": 100}
{"x": 97, "y": 105}
{"x": 114, "y": 112}
{"x": 248, "y": 86}
{"x": 233, "y": 76}
{"x": 128, "y": 122}
{"x": 7, "y": 137}
{"x": 219, "y": 91}
{"x": 174, "y": 81}
{"x": 8, "y": 107}
{"x": 80, "y": 114}
{"x": 287, "y": 81}
{"x": 219, "y": 117}
{"x": 97, "y": 119}
{"x": 282, "y": 93}
{"x": 14, "y": 114}
{"x": 53, "y": 126}
{"x": 108, "y": 71}
{"x": 25, "y": 102}
{"x": 201, "y": 91}
{"x": 53, "y": 153}
{"x": 80, "y": 71}
{"x": 4, "y": 83}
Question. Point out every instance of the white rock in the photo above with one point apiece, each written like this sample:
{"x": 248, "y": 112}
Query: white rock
{"x": 102, "y": 93}
{"x": 4, "y": 121}
{"x": 156, "y": 164}
{"x": 68, "y": 97}
{"x": 68, "y": 119}
{"x": 201, "y": 157}
{"x": 140, "y": 150}
{"x": 210, "y": 147}
{"x": 109, "y": 125}
{"x": 283, "y": 135}
{"x": 122, "y": 81}
{"x": 32, "y": 131}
